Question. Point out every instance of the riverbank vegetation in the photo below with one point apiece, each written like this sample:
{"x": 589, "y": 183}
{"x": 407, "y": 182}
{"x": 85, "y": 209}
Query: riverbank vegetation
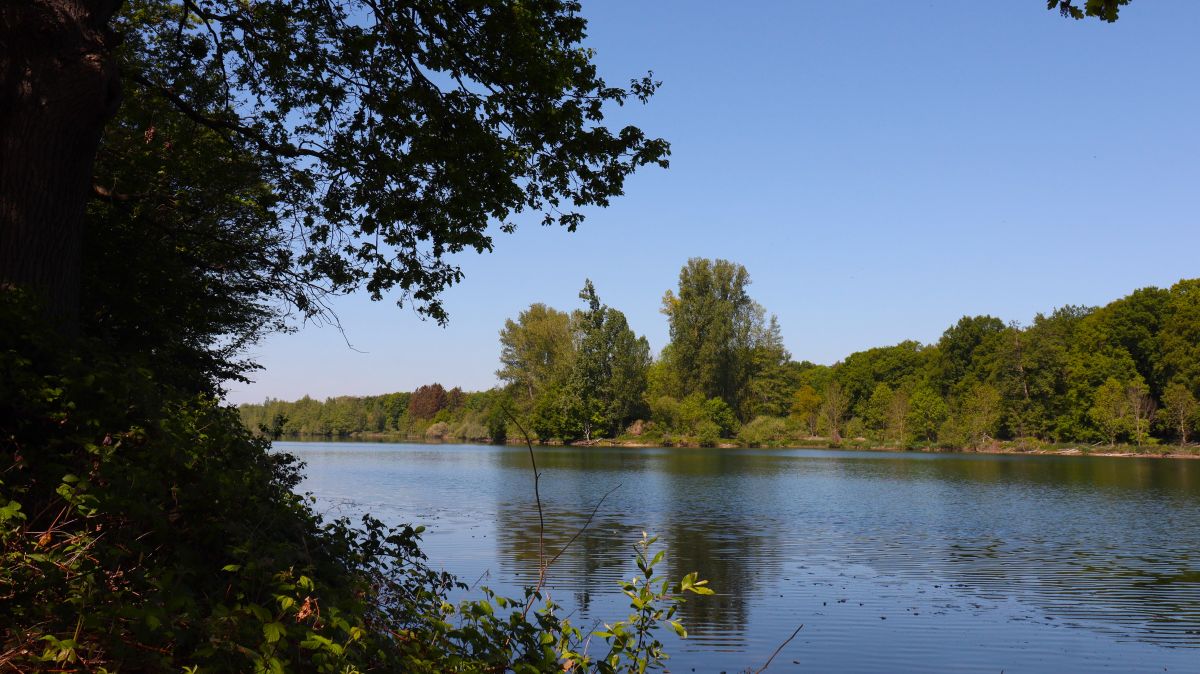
{"x": 1122, "y": 377}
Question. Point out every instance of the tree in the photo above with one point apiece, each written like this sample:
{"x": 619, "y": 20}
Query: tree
{"x": 427, "y": 401}
{"x": 979, "y": 413}
{"x": 455, "y": 398}
{"x": 552, "y": 415}
{"x": 806, "y": 407}
{"x": 187, "y": 261}
{"x": 876, "y": 411}
{"x": 629, "y": 366}
{"x": 535, "y": 349}
{"x": 1133, "y": 324}
{"x": 1140, "y": 406}
{"x": 391, "y": 133}
{"x": 267, "y": 154}
{"x": 897, "y": 366}
{"x": 1061, "y": 384}
{"x": 1180, "y": 335}
{"x": 497, "y": 418}
{"x": 1015, "y": 374}
{"x": 770, "y": 386}
{"x": 927, "y": 412}
{"x": 958, "y": 347}
{"x": 50, "y": 126}
{"x": 834, "y": 404}
{"x": 591, "y": 369}
{"x": 707, "y": 419}
{"x": 578, "y": 374}
{"x": 1179, "y": 409}
{"x": 1110, "y": 410}
{"x": 608, "y": 374}
{"x": 897, "y": 418}
{"x": 714, "y": 328}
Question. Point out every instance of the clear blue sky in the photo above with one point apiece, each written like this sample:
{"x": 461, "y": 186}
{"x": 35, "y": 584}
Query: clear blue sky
{"x": 881, "y": 169}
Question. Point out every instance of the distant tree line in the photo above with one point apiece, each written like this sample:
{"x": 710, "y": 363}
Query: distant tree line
{"x": 430, "y": 412}
{"x": 1128, "y": 372}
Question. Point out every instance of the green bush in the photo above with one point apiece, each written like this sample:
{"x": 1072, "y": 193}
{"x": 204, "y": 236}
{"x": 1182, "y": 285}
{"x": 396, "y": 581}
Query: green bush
{"x": 708, "y": 434}
{"x": 764, "y": 431}
{"x": 145, "y": 529}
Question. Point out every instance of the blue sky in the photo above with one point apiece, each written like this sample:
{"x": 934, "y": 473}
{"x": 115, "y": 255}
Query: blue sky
{"x": 881, "y": 169}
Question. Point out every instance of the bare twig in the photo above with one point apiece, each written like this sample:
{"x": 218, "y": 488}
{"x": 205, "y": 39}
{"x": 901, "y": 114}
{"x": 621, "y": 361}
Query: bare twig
{"x": 543, "y": 564}
{"x": 479, "y": 579}
{"x": 537, "y": 496}
{"x": 541, "y": 517}
{"x": 785, "y": 643}
{"x": 585, "y": 525}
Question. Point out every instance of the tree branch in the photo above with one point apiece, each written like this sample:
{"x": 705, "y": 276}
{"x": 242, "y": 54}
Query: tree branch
{"x": 226, "y": 125}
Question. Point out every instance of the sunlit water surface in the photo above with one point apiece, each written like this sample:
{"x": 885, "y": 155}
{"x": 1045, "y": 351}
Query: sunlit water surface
{"x": 893, "y": 562}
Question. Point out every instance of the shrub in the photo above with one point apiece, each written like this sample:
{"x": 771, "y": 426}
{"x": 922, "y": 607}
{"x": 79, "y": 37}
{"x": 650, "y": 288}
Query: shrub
{"x": 763, "y": 431}
{"x": 145, "y": 529}
{"x": 437, "y": 431}
{"x": 708, "y": 434}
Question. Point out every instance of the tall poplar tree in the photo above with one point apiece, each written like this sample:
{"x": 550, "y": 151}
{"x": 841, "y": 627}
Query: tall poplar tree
{"x": 608, "y": 377}
{"x": 715, "y": 326}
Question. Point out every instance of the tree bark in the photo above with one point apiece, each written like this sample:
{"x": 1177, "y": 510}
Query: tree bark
{"x": 58, "y": 87}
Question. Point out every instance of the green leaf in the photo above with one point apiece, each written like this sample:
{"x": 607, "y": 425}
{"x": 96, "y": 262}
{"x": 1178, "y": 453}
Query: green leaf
{"x": 273, "y": 632}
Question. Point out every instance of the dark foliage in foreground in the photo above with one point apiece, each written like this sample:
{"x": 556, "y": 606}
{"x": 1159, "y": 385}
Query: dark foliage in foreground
{"x": 142, "y": 528}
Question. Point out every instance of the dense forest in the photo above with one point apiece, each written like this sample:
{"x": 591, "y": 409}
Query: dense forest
{"x": 1127, "y": 372}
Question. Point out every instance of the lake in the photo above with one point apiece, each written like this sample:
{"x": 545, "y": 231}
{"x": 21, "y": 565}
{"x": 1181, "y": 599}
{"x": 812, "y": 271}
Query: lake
{"x": 893, "y": 562}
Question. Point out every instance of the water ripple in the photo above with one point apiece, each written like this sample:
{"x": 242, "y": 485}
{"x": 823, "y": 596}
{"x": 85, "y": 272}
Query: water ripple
{"x": 893, "y": 562}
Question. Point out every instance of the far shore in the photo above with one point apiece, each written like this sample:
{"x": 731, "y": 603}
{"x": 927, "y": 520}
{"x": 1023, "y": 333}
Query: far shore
{"x": 856, "y": 444}
{"x": 861, "y": 445}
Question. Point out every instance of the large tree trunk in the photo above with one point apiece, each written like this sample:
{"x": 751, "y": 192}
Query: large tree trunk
{"x": 58, "y": 86}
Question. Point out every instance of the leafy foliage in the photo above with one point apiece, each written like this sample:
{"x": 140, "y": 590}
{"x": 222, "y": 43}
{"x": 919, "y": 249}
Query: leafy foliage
{"x": 392, "y": 133}
{"x": 144, "y": 528}
{"x": 983, "y": 382}
{"x": 463, "y": 416}
{"x": 927, "y": 412}
{"x": 147, "y": 530}
{"x": 608, "y": 375}
{"x": 715, "y": 327}
{"x": 427, "y": 401}
{"x": 654, "y": 602}
{"x": 1180, "y": 411}
{"x": 268, "y": 155}
{"x": 575, "y": 375}
{"x": 1105, "y": 10}
{"x": 535, "y": 350}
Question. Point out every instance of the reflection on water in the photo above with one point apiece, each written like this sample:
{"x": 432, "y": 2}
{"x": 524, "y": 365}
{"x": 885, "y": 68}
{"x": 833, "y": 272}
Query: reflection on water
{"x": 894, "y": 562}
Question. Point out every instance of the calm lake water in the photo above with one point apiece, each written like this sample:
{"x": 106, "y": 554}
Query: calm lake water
{"x": 893, "y": 562}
